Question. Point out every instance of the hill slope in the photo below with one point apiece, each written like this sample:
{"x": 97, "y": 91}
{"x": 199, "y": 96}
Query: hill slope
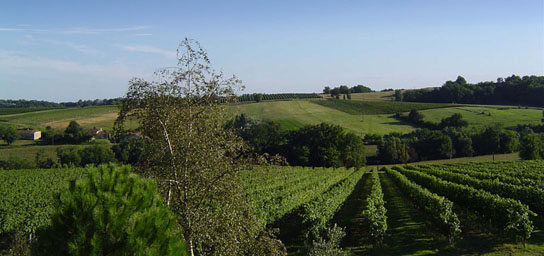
{"x": 297, "y": 113}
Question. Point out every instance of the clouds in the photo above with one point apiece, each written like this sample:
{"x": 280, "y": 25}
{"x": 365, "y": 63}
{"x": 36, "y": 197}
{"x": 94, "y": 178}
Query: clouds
{"x": 77, "y": 30}
{"x": 21, "y": 64}
{"x": 149, "y": 49}
{"x": 26, "y": 76}
{"x": 75, "y": 46}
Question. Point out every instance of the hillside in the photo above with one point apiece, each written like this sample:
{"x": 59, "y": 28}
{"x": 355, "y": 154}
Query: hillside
{"x": 294, "y": 114}
{"x": 377, "y": 107}
{"x": 489, "y": 115}
{"x": 88, "y": 117}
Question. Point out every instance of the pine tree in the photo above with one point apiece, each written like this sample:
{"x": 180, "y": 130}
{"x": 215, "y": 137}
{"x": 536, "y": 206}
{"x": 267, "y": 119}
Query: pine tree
{"x": 110, "y": 212}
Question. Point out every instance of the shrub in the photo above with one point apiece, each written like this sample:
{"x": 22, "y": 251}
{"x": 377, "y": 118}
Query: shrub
{"x": 96, "y": 154}
{"x": 69, "y": 155}
{"x": 111, "y": 212}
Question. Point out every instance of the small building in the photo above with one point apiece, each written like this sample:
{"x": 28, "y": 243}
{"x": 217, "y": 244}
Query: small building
{"x": 98, "y": 133}
{"x": 28, "y": 134}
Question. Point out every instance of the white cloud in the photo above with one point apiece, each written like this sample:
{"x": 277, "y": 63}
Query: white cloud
{"x": 27, "y": 76}
{"x": 149, "y": 49}
{"x": 76, "y": 30}
{"x": 11, "y": 29}
{"x": 102, "y": 30}
{"x": 24, "y": 64}
{"x": 78, "y": 47}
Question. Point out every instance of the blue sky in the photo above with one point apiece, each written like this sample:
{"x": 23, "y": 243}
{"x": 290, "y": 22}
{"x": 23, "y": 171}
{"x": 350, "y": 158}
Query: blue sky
{"x": 70, "y": 50}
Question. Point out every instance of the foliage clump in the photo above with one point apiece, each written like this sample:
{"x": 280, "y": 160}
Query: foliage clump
{"x": 110, "y": 212}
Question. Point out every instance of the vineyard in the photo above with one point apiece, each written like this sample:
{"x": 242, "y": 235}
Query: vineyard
{"x": 465, "y": 208}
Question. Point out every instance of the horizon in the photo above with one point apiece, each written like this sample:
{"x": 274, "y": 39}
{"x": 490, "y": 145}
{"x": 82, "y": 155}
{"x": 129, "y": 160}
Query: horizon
{"x": 66, "y": 51}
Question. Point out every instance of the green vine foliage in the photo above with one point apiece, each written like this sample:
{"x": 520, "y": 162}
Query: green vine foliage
{"x": 438, "y": 208}
{"x": 375, "y": 212}
{"x": 508, "y": 215}
{"x": 110, "y": 212}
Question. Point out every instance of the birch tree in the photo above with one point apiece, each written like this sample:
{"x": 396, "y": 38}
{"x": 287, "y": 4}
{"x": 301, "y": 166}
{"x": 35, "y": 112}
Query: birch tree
{"x": 196, "y": 161}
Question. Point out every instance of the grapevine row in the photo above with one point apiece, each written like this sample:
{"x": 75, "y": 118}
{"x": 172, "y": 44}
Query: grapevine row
{"x": 506, "y": 214}
{"x": 531, "y": 196}
{"x": 500, "y": 176}
{"x": 439, "y": 208}
{"x": 317, "y": 213}
{"x": 26, "y": 196}
{"x": 375, "y": 212}
{"x": 271, "y": 205}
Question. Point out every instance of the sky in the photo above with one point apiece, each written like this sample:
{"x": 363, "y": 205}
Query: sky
{"x": 68, "y": 50}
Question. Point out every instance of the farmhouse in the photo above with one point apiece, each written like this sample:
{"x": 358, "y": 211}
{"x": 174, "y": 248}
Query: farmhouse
{"x": 98, "y": 133}
{"x": 28, "y": 134}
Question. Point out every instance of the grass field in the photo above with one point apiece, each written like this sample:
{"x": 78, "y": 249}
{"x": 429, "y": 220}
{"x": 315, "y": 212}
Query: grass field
{"x": 489, "y": 115}
{"x": 11, "y": 111}
{"x": 297, "y": 113}
{"x": 27, "y": 151}
{"x": 88, "y": 117}
{"x": 354, "y": 107}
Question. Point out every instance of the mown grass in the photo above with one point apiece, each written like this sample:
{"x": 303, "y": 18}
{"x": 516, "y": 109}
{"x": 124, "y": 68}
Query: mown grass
{"x": 479, "y": 116}
{"x": 87, "y": 117}
{"x": 11, "y": 111}
{"x": 297, "y": 113}
{"x": 354, "y": 107}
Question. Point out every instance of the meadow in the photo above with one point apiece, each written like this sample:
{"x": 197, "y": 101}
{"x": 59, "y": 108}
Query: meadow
{"x": 377, "y": 117}
{"x": 88, "y": 117}
{"x": 11, "y": 111}
{"x": 355, "y": 107}
{"x": 487, "y": 115}
{"x": 297, "y": 113}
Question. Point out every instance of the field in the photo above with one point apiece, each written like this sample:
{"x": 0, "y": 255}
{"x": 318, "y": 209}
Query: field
{"x": 297, "y": 113}
{"x": 354, "y": 107}
{"x": 489, "y": 115}
{"x": 292, "y": 114}
{"x": 11, "y": 111}
{"x": 484, "y": 199}
{"x": 88, "y": 117}
{"x": 28, "y": 151}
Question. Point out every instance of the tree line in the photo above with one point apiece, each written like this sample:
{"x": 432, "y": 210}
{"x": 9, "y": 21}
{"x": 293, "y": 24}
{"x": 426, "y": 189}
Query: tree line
{"x": 451, "y": 138}
{"x": 513, "y": 90}
{"x": 323, "y": 144}
{"x": 345, "y": 90}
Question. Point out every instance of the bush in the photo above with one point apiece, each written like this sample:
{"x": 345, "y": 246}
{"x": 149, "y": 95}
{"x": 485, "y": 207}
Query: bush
{"x": 325, "y": 145}
{"x": 532, "y": 147}
{"x": 43, "y": 161}
{"x": 96, "y": 154}
{"x": 129, "y": 151}
{"x": 69, "y": 155}
{"x": 9, "y": 134}
{"x": 111, "y": 212}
